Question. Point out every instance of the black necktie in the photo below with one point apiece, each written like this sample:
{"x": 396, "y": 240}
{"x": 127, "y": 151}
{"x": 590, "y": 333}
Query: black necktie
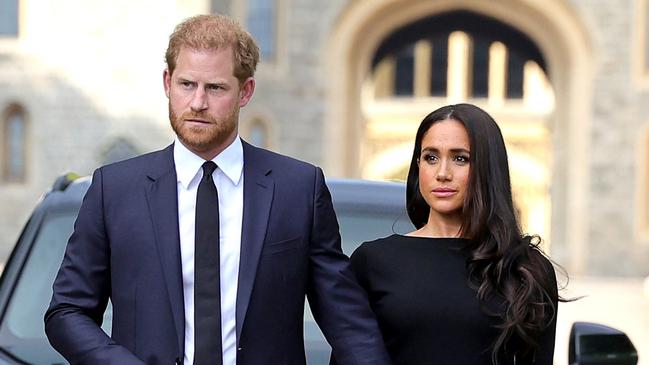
{"x": 207, "y": 292}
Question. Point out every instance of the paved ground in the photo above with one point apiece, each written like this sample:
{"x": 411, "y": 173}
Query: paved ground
{"x": 619, "y": 303}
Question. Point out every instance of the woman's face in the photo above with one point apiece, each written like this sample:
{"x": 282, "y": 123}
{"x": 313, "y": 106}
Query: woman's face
{"x": 444, "y": 165}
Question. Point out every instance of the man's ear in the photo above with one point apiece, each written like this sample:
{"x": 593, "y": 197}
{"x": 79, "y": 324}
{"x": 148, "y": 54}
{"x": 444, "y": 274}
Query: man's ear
{"x": 166, "y": 80}
{"x": 246, "y": 91}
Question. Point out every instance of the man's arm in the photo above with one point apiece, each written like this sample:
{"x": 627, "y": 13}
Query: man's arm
{"x": 81, "y": 291}
{"x": 339, "y": 304}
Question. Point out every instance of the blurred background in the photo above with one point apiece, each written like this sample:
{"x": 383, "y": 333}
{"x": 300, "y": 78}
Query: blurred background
{"x": 344, "y": 84}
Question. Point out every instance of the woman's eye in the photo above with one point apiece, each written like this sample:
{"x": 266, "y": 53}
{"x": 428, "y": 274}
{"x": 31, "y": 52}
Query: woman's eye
{"x": 429, "y": 158}
{"x": 462, "y": 159}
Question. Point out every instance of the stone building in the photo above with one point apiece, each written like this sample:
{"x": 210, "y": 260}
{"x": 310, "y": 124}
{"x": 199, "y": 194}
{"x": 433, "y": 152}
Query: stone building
{"x": 344, "y": 84}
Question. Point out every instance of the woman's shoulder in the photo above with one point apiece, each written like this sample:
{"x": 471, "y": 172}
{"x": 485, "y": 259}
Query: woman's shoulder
{"x": 368, "y": 253}
{"x": 378, "y": 246}
{"x": 379, "y": 243}
{"x": 385, "y": 240}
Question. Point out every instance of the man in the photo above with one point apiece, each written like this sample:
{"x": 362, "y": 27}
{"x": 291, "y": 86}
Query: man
{"x": 207, "y": 248}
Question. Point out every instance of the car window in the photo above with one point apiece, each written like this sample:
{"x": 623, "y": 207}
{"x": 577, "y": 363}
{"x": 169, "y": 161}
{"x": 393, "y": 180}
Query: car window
{"x": 34, "y": 288}
{"x": 22, "y": 332}
{"x": 357, "y": 227}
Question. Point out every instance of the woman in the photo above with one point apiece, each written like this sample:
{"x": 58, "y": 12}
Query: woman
{"x": 467, "y": 287}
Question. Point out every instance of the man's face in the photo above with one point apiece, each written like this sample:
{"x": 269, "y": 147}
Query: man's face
{"x": 205, "y": 98}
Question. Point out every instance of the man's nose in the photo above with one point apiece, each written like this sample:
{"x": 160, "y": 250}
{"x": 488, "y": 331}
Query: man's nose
{"x": 199, "y": 100}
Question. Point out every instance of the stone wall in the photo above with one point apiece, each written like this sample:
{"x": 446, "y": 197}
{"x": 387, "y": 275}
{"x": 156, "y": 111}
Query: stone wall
{"x": 88, "y": 81}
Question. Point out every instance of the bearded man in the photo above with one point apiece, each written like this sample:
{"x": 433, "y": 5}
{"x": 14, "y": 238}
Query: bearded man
{"x": 207, "y": 248}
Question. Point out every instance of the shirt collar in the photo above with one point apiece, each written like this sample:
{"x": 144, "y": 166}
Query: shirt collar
{"x": 188, "y": 164}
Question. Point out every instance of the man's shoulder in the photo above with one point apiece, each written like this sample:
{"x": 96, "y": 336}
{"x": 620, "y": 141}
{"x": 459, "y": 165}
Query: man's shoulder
{"x": 132, "y": 172}
{"x": 143, "y": 161}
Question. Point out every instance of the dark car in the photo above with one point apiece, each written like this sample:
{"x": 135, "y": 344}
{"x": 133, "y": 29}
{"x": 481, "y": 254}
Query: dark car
{"x": 366, "y": 210}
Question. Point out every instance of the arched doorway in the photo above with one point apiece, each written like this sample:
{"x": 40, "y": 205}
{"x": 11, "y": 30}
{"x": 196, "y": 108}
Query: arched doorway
{"x": 461, "y": 56}
{"x": 555, "y": 31}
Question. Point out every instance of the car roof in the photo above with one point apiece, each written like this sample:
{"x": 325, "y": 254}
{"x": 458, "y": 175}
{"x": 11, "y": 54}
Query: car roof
{"x": 366, "y": 195}
{"x": 344, "y": 191}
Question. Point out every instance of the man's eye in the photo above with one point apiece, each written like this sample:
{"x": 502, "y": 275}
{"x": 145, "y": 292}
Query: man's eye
{"x": 213, "y": 88}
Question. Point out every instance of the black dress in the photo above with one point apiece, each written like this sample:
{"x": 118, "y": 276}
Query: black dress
{"x": 426, "y": 310}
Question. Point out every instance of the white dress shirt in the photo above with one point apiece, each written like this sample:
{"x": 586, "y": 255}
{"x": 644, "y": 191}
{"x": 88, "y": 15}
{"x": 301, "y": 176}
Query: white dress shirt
{"x": 228, "y": 178}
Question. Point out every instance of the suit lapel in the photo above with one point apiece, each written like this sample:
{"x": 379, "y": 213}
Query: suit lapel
{"x": 258, "y": 189}
{"x": 162, "y": 197}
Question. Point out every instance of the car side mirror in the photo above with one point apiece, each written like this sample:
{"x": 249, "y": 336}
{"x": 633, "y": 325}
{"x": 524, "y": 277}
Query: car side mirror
{"x": 596, "y": 344}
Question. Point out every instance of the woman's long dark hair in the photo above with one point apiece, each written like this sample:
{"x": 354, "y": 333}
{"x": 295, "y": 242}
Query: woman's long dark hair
{"x": 501, "y": 262}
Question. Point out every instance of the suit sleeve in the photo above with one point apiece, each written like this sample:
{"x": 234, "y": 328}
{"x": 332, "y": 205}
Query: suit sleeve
{"x": 82, "y": 288}
{"x": 339, "y": 304}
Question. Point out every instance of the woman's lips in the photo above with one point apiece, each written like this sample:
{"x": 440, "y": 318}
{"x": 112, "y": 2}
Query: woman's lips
{"x": 444, "y": 192}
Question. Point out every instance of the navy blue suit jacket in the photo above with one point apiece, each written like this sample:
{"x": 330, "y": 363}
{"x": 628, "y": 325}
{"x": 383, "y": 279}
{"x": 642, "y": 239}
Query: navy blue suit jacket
{"x": 125, "y": 247}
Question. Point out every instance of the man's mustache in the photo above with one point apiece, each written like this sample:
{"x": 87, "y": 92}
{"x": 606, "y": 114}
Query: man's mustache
{"x": 197, "y": 115}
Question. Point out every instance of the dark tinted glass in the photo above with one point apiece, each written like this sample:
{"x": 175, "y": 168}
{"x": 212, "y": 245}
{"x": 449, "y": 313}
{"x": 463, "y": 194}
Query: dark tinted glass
{"x": 22, "y": 332}
{"x": 261, "y": 24}
{"x": 220, "y": 6}
{"x": 606, "y": 346}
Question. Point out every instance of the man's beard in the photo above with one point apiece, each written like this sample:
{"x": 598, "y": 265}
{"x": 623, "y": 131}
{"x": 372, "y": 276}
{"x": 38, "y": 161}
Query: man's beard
{"x": 210, "y": 136}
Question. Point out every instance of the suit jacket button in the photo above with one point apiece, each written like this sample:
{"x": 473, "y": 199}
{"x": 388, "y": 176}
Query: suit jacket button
{"x": 178, "y": 361}
{"x": 240, "y": 348}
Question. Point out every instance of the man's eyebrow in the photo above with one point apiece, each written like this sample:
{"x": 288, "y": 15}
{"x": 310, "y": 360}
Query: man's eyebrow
{"x": 217, "y": 83}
